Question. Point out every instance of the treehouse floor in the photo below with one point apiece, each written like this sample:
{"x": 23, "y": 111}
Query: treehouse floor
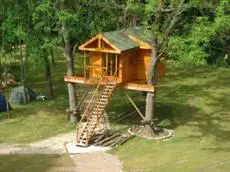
{"x": 139, "y": 85}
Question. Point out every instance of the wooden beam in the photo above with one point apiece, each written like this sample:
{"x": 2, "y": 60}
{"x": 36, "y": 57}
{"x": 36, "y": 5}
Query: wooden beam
{"x": 89, "y": 41}
{"x": 85, "y": 64}
{"x": 107, "y": 63}
{"x": 130, "y": 86}
{"x": 116, "y": 66}
{"x": 75, "y": 79}
{"x": 132, "y": 102}
{"x": 142, "y": 44}
{"x": 139, "y": 87}
{"x": 99, "y": 42}
{"x": 111, "y": 66}
{"x": 100, "y": 50}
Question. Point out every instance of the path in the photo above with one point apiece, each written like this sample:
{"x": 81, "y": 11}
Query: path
{"x": 88, "y": 162}
{"x": 97, "y": 162}
{"x": 53, "y": 145}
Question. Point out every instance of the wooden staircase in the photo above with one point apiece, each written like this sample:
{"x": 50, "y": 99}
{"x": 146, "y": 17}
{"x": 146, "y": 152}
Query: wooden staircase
{"x": 94, "y": 111}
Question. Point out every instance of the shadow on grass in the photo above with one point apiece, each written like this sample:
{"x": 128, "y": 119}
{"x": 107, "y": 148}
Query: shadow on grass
{"x": 192, "y": 97}
{"x": 36, "y": 163}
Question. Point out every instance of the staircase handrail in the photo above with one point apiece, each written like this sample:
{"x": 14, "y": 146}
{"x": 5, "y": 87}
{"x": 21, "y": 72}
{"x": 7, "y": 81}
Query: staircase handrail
{"x": 91, "y": 100}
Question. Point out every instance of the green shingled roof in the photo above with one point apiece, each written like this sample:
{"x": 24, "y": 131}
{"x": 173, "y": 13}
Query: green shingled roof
{"x": 139, "y": 33}
{"x": 122, "y": 41}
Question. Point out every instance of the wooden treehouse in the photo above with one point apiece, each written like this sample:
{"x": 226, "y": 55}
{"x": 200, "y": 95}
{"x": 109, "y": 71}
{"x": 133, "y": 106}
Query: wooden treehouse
{"x": 112, "y": 59}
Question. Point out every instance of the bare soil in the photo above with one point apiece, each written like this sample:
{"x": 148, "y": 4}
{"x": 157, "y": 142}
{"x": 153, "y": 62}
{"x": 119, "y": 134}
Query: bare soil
{"x": 88, "y": 162}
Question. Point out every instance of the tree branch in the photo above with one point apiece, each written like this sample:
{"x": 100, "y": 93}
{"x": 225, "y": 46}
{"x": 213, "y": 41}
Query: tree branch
{"x": 175, "y": 19}
{"x": 221, "y": 49}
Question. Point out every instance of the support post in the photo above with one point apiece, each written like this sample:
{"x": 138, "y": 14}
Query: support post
{"x": 116, "y": 65}
{"x": 99, "y": 42}
{"x": 132, "y": 102}
{"x": 85, "y": 65}
{"x": 111, "y": 67}
{"x": 107, "y": 64}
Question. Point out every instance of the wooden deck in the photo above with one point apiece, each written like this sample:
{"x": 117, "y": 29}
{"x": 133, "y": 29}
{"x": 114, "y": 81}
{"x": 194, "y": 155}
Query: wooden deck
{"x": 131, "y": 85}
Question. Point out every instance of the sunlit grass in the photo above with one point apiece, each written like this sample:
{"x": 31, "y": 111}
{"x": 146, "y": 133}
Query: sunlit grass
{"x": 194, "y": 102}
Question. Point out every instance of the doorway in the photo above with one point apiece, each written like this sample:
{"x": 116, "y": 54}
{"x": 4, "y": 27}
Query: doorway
{"x": 110, "y": 64}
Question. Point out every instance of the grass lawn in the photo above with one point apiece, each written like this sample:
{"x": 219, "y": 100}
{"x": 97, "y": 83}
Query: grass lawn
{"x": 39, "y": 119}
{"x": 195, "y": 103}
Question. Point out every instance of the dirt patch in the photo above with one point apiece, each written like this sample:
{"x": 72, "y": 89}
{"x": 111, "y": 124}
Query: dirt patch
{"x": 53, "y": 145}
{"x": 162, "y": 135}
{"x": 87, "y": 162}
{"x": 97, "y": 162}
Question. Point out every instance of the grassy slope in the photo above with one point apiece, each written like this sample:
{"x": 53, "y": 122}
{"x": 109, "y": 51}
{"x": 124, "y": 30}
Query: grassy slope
{"x": 195, "y": 103}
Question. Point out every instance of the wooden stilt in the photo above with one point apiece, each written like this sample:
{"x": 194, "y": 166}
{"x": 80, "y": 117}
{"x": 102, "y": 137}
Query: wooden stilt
{"x": 111, "y": 66}
{"x": 107, "y": 64}
{"x": 99, "y": 42}
{"x": 132, "y": 102}
{"x": 85, "y": 65}
{"x": 116, "y": 65}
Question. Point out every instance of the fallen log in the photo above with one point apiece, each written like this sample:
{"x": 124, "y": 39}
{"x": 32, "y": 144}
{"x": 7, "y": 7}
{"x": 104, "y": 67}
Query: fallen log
{"x": 113, "y": 142}
{"x": 107, "y": 139}
{"x": 125, "y": 140}
{"x": 99, "y": 138}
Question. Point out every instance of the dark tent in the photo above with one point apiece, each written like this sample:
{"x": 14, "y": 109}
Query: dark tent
{"x": 3, "y": 103}
{"x": 22, "y": 95}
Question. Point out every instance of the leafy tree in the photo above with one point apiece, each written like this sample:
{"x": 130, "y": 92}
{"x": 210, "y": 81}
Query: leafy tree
{"x": 14, "y": 27}
{"x": 77, "y": 20}
{"x": 198, "y": 44}
{"x": 170, "y": 22}
{"x": 44, "y": 39}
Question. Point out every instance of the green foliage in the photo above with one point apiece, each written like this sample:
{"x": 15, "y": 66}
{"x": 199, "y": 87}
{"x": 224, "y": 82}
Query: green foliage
{"x": 222, "y": 20}
{"x": 9, "y": 28}
{"x": 196, "y": 46}
{"x": 180, "y": 49}
{"x": 190, "y": 48}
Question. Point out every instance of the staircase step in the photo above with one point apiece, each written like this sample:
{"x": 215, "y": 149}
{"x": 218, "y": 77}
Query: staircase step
{"x": 107, "y": 90}
{"x": 102, "y": 99}
{"x": 104, "y": 96}
{"x": 94, "y": 114}
{"x": 101, "y": 104}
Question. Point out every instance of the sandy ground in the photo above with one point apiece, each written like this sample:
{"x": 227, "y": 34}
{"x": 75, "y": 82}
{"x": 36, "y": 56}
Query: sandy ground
{"x": 86, "y": 162}
{"x": 53, "y": 145}
{"x": 97, "y": 162}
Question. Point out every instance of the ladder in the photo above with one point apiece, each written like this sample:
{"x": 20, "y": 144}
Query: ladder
{"x": 93, "y": 112}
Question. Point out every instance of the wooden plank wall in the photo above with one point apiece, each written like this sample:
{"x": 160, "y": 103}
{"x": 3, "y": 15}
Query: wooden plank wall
{"x": 129, "y": 71}
{"x": 93, "y": 44}
{"x": 133, "y": 65}
{"x": 96, "y": 65}
{"x": 143, "y": 60}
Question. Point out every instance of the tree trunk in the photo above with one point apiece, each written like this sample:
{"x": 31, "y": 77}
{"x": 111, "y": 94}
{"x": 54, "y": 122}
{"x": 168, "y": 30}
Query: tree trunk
{"x": 23, "y": 72}
{"x": 1, "y": 57}
{"x": 150, "y": 97}
{"x": 48, "y": 76}
{"x": 69, "y": 47}
{"x": 52, "y": 57}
